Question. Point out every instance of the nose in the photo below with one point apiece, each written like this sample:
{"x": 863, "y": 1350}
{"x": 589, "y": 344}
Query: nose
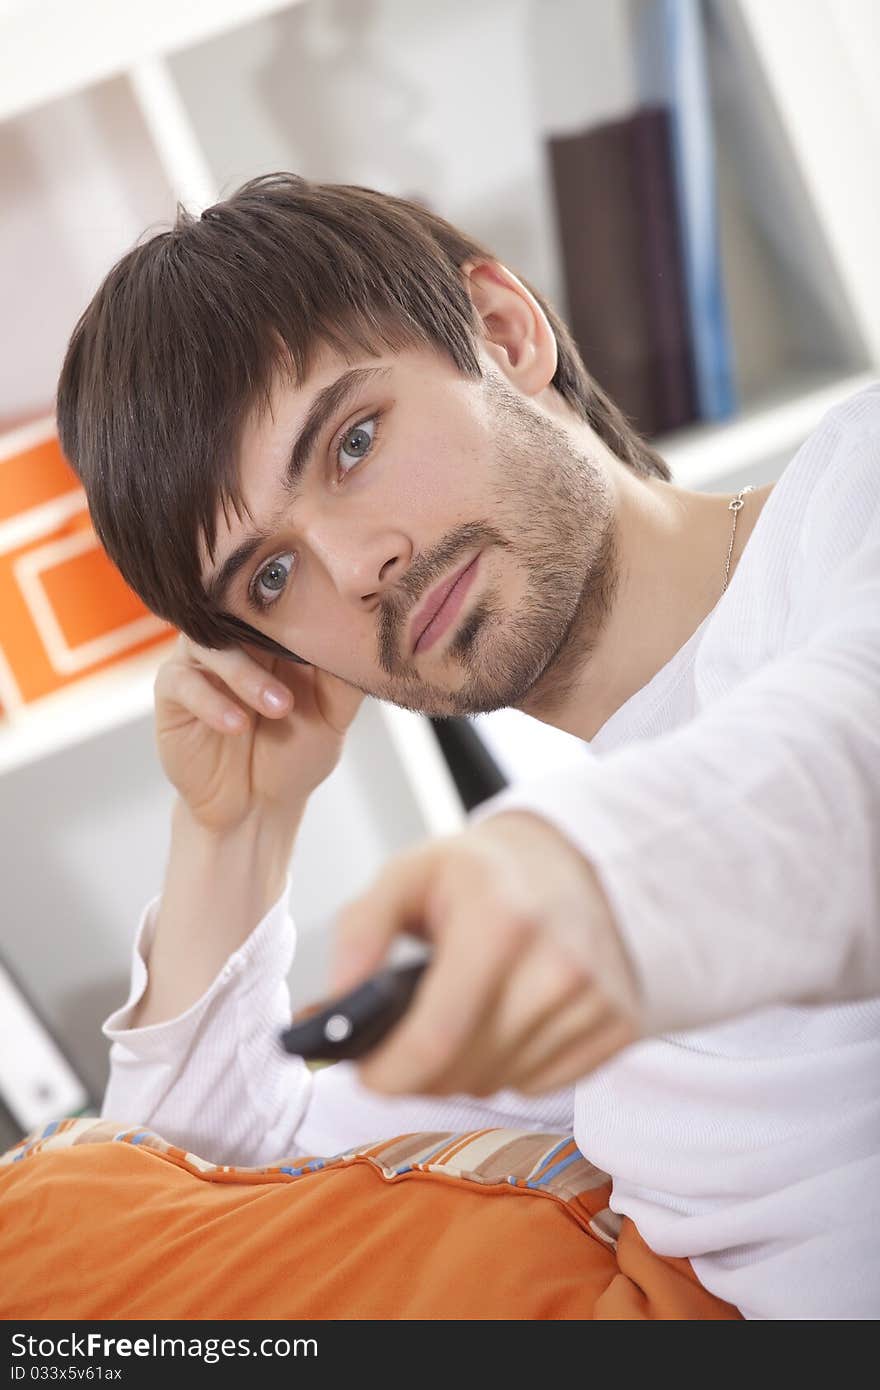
{"x": 363, "y": 566}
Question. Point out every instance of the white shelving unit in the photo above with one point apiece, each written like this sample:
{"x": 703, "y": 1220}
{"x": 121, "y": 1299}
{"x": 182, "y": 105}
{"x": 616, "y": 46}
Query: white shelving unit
{"x": 53, "y": 48}
{"x": 112, "y": 113}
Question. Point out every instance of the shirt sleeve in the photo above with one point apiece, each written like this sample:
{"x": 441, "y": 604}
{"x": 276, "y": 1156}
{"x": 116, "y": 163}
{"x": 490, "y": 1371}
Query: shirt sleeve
{"x": 740, "y": 854}
{"x": 216, "y": 1081}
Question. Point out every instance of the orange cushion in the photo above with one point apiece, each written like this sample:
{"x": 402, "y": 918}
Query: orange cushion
{"x": 491, "y": 1224}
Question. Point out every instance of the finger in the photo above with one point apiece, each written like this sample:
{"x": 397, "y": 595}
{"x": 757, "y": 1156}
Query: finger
{"x": 395, "y": 903}
{"x": 546, "y": 1002}
{"x": 580, "y": 1059}
{"x": 255, "y": 686}
{"x": 475, "y": 951}
{"x": 191, "y": 691}
{"x": 580, "y": 1021}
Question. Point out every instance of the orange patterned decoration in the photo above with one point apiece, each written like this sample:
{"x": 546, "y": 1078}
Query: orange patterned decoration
{"x": 65, "y": 610}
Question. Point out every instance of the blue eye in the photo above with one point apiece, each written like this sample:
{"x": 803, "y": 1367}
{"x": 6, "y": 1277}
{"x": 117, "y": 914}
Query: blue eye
{"x": 357, "y": 442}
{"x": 354, "y": 446}
{"x": 269, "y": 575}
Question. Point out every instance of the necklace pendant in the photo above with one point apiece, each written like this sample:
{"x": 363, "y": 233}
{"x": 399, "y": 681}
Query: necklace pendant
{"x": 737, "y": 504}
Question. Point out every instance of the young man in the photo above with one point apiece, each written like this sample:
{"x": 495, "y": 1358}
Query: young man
{"x": 326, "y": 413}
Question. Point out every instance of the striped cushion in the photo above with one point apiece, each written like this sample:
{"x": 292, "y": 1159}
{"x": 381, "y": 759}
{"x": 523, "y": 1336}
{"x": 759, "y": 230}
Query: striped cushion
{"x": 494, "y": 1223}
{"x": 546, "y": 1163}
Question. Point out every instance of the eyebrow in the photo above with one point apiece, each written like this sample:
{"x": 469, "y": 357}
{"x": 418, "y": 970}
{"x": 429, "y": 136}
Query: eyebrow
{"x": 329, "y": 400}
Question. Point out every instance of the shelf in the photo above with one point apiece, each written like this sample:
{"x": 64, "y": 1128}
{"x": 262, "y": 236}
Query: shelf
{"x": 122, "y": 694}
{"x": 51, "y": 49}
{"x": 817, "y": 108}
{"x": 769, "y": 431}
{"x": 89, "y": 707}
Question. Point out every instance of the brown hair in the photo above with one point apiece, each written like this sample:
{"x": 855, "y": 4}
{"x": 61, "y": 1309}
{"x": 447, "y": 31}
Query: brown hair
{"x": 183, "y": 338}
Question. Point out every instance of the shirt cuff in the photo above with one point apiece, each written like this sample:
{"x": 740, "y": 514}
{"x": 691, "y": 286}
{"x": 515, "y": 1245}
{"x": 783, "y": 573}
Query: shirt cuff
{"x": 266, "y": 954}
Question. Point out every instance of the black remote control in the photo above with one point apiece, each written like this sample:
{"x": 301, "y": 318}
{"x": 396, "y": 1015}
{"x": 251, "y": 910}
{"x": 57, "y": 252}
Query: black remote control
{"x": 354, "y": 1023}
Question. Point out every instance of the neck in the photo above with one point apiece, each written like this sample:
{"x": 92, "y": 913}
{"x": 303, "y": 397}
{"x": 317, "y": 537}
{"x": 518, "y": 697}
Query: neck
{"x": 671, "y": 547}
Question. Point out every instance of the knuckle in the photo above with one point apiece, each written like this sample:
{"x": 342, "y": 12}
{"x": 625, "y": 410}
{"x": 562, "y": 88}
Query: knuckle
{"x": 530, "y": 1088}
{"x": 355, "y": 927}
{"x": 569, "y": 975}
{"x": 430, "y": 1049}
{"x": 170, "y": 682}
{"x": 350, "y": 918}
{"x": 194, "y": 655}
{"x": 445, "y": 1086}
{"x": 481, "y": 1089}
{"x": 514, "y": 928}
{"x": 391, "y": 877}
{"x": 476, "y": 859}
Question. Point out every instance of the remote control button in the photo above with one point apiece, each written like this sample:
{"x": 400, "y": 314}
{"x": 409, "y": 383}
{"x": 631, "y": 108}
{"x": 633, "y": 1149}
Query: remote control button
{"x": 337, "y": 1028}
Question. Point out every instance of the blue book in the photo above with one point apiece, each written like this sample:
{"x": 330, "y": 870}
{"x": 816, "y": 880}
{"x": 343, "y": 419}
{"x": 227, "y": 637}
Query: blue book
{"x": 671, "y": 64}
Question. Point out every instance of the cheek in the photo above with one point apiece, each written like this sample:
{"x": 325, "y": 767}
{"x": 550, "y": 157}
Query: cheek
{"x": 440, "y": 486}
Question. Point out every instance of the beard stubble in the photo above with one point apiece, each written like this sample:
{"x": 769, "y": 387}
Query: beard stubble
{"x": 553, "y": 516}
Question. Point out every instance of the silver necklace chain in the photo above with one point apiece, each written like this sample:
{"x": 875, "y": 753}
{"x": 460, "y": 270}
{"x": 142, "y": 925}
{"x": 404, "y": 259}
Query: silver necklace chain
{"x": 736, "y": 507}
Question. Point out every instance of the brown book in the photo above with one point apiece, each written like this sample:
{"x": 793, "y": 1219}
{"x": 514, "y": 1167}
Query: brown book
{"x": 619, "y": 235}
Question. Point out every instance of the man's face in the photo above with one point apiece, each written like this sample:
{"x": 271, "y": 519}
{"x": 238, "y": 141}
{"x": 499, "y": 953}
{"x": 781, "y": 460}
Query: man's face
{"x": 416, "y": 473}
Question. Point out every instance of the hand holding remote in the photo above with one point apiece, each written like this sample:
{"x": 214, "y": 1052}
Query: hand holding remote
{"x": 353, "y": 1023}
{"x": 530, "y": 985}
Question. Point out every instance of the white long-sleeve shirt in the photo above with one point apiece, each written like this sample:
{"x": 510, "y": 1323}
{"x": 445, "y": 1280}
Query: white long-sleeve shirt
{"x": 732, "y": 812}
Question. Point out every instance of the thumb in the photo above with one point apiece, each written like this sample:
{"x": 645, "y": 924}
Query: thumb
{"x": 397, "y": 902}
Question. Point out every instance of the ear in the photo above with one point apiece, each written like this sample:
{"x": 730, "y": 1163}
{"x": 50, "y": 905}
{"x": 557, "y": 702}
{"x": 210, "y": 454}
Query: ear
{"x": 516, "y": 333}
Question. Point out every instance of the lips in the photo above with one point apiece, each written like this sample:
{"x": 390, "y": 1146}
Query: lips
{"x": 435, "y": 602}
